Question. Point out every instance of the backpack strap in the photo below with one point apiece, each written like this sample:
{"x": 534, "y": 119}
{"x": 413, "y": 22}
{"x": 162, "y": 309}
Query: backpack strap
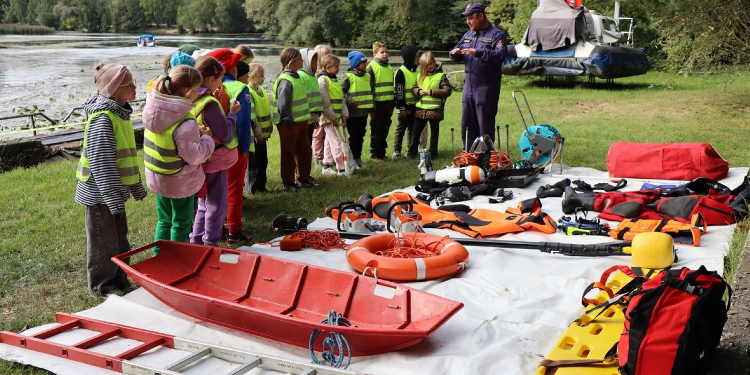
{"x": 609, "y": 360}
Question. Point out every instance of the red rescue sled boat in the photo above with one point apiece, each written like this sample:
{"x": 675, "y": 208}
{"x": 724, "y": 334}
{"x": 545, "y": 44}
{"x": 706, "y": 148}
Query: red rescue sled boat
{"x": 284, "y": 300}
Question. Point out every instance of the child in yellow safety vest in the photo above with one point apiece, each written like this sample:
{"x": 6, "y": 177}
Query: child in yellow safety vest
{"x": 359, "y": 99}
{"x": 334, "y": 114}
{"x": 431, "y": 90}
{"x": 212, "y": 205}
{"x": 404, "y": 80}
{"x": 108, "y": 175}
{"x": 174, "y": 150}
{"x": 256, "y": 177}
{"x": 238, "y": 92}
{"x": 290, "y": 95}
{"x": 246, "y": 52}
{"x": 381, "y": 80}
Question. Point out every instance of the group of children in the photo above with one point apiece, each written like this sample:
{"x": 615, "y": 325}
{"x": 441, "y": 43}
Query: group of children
{"x": 208, "y": 120}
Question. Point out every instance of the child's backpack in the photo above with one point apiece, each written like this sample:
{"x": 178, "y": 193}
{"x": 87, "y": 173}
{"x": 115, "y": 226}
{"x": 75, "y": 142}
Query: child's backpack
{"x": 674, "y": 323}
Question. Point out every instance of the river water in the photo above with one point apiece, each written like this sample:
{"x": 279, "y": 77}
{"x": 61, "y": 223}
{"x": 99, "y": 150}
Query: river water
{"x": 54, "y": 73}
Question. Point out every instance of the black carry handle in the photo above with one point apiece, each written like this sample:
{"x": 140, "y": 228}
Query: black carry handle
{"x": 343, "y": 208}
{"x": 409, "y": 207}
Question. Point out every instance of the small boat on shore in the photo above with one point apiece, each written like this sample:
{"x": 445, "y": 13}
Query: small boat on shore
{"x": 146, "y": 40}
{"x": 284, "y": 300}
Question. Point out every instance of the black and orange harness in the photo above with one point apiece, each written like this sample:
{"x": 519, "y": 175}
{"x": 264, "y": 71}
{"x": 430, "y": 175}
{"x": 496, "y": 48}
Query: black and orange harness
{"x": 477, "y": 223}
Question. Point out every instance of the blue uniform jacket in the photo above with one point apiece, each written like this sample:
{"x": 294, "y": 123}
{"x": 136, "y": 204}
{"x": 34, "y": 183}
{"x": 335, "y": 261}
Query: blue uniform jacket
{"x": 483, "y": 70}
{"x": 244, "y": 125}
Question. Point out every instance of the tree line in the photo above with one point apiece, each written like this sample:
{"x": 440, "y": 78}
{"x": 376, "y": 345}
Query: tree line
{"x": 685, "y": 34}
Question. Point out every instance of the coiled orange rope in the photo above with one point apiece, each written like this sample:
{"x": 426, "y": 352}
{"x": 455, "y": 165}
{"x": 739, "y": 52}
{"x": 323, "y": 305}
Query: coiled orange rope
{"x": 498, "y": 160}
{"x": 405, "y": 246}
{"x": 319, "y": 239}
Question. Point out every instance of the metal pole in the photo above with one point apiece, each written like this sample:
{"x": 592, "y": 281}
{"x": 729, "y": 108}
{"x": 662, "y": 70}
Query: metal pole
{"x": 33, "y": 125}
{"x": 507, "y": 139}
{"x": 453, "y": 143}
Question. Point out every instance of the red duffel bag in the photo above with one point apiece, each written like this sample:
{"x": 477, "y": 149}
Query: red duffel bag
{"x": 666, "y": 161}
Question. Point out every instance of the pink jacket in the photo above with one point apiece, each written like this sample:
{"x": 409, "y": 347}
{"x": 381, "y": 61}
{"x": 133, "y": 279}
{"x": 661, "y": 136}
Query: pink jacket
{"x": 160, "y": 113}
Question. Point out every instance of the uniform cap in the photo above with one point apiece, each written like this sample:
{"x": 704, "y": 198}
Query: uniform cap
{"x": 473, "y": 8}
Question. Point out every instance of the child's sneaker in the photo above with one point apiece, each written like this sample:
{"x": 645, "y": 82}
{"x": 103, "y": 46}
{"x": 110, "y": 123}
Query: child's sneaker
{"x": 396, "y": 155}
{"x": 328, "y": 171}
{"x": 342, "y": 172}
{"x": 360, "y": 163}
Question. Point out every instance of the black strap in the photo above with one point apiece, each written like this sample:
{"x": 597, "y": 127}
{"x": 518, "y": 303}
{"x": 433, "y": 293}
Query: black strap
{"x": 621, "y": 234}
{"x": 661, "y": 225}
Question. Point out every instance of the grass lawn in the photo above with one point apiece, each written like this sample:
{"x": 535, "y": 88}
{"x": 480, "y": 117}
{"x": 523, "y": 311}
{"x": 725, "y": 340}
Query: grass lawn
{"x": 42, "y": 247}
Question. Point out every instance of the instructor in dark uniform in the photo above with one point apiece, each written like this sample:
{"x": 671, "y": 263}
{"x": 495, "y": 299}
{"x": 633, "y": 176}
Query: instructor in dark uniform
{"x": 482, "y": 49}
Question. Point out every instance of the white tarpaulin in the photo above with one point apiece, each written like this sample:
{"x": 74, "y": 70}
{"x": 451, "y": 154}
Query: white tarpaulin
{"x": 516, "y": 302}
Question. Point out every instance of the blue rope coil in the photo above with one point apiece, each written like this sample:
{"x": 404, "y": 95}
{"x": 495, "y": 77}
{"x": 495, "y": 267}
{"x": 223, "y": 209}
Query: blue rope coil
{"x": 333, "y": 344}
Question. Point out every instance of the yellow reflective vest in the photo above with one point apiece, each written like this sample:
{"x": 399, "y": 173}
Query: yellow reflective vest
{"x": 430, "y": 82}
{"x": 410, "y": 79}
{"x": 197, "y": 112}
{"x": 383, "y": 81}
{"x": 300, "y": 107}
{"x": 313, "y": 91}
{"x": 127, "y": 156}
{"x": 159, "y": 150}
{"x": 336, "y": 95}
{"x": 262, "y": 115}
{"x": 360, "y": 90}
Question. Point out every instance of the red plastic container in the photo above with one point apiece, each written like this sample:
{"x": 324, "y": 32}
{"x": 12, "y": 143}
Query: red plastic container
{"x": 284, "y": 300}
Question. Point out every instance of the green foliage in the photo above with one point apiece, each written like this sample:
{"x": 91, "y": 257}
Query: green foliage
{"x": 160, "y": 12}
{"x": 126, "y": 15}
{"x": 520, "y": 23}
{"x": 196, "y": 15}
{"x": 695, "y": 35}
{"x": 262, "y": 14}
{"x": 66, "y": 16}
{"x": 501, "y": 13}
{"x": 359, "y": 23}
{"x": 230, "y": 16}
{"x": 94, "y": 15}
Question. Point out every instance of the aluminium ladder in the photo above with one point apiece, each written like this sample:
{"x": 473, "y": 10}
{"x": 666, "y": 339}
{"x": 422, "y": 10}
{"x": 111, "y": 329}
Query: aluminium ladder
{"x": 122, "y": 362}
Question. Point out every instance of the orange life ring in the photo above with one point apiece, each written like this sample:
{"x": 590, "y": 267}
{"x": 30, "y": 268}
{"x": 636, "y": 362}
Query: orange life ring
{"x": 452, "y": 259}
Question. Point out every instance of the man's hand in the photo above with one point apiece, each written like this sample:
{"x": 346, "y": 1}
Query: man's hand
{"x": 455, "y": 51}
{"x": 259, "y": 140}
{"x": 403, "y": 113}
{"x": 469, "y": 51}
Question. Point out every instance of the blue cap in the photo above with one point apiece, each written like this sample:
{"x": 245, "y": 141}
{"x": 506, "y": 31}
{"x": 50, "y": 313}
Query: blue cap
{"x": 473, "y": 8}
{"x": 181, "y": 58}
{"x": 355, "y": 58}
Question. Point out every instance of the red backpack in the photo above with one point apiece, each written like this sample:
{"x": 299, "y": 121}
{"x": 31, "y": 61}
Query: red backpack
{"x": 674, "y": 323}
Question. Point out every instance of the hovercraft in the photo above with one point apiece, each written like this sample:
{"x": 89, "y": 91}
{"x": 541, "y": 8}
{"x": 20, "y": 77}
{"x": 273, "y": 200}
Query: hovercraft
{"x": 564, "y": 40}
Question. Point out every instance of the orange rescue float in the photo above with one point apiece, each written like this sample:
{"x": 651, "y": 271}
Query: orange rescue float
{"x": 451, "y": 257}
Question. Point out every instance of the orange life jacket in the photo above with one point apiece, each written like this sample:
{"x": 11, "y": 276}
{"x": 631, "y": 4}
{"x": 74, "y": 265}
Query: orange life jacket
{"x": 689, "y": 234}
{"x": 477, "y": 223}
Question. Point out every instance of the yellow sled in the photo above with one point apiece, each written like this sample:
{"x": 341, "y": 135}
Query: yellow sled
{"x": 591, "y": 337}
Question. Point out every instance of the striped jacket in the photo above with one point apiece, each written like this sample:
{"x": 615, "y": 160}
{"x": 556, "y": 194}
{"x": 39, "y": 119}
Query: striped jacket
{"x": 104, "y": 186}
